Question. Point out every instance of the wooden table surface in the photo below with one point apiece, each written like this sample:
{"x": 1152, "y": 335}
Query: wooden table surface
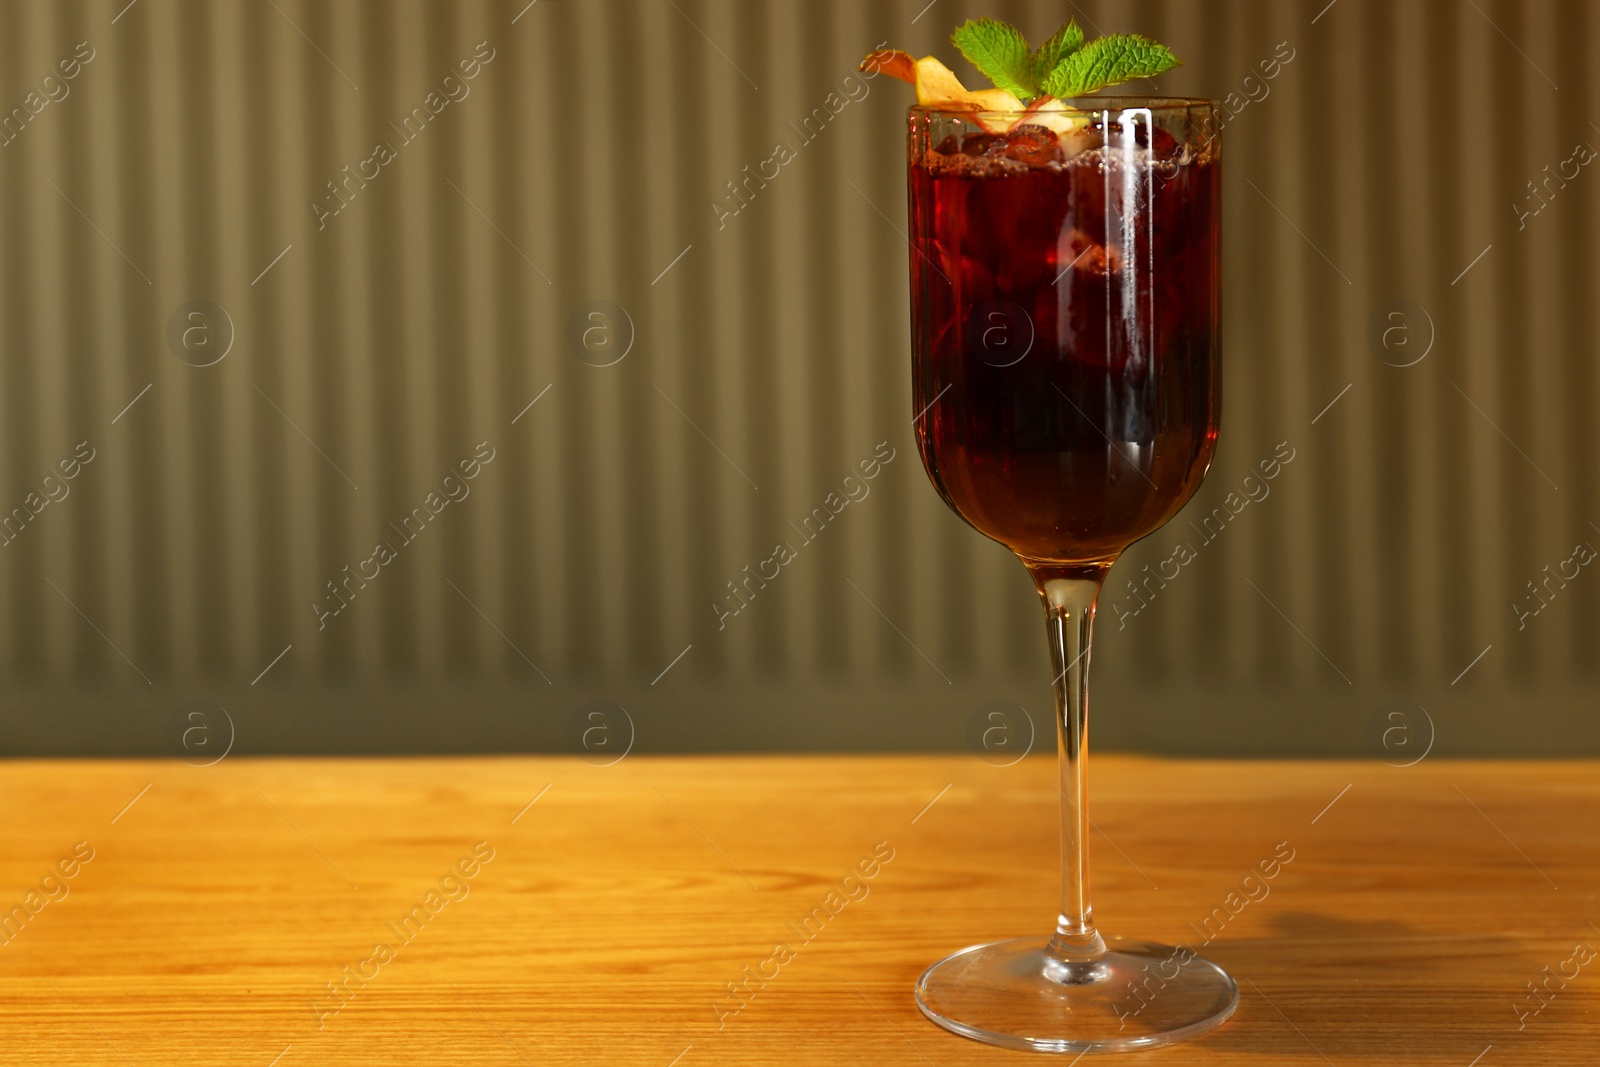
{"x": 602, "y": 923}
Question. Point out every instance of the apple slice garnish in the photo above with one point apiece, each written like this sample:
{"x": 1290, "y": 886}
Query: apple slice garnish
{"x": 938, "y": 88}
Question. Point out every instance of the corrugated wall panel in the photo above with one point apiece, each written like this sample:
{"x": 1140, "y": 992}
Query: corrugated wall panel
{"x": 375, "y": 347}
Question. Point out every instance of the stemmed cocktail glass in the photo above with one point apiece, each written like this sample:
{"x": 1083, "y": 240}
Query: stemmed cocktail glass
{"x": 1065, "y": 283}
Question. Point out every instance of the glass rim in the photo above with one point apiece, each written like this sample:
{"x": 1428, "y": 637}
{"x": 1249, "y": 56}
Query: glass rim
{"x": 1163, "y": 104}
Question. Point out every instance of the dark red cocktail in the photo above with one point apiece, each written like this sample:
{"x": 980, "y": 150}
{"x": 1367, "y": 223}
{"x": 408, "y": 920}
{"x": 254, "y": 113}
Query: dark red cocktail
{"x": 1064, "y": 313}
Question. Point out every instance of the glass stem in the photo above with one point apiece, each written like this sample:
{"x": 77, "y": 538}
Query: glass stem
{"x": 1069, "y": 598}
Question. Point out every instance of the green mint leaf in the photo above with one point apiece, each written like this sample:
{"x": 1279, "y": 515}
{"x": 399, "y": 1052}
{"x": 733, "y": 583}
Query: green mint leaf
{"x": 1048, "y": 57}
{"x": 1105, "y": 61}
{"x": 1000, "y": 53}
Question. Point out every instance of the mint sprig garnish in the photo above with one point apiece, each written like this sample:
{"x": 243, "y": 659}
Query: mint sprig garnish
{"x": 1063, "y": 66}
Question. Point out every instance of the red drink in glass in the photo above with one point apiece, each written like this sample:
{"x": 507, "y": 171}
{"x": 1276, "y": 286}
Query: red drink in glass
{"x": 1064, "y": 315}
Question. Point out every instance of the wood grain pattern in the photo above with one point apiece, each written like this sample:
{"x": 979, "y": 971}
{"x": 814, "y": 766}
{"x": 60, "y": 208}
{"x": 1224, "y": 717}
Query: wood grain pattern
{"x": 614, "y": 910}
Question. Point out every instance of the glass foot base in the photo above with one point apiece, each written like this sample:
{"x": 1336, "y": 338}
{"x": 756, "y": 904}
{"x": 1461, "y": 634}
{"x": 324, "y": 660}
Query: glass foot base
{"x": 1136, "y": 995}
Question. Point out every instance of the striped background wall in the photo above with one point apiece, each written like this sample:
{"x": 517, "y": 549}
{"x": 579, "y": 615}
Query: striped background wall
{"x": 374, "y": 349}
